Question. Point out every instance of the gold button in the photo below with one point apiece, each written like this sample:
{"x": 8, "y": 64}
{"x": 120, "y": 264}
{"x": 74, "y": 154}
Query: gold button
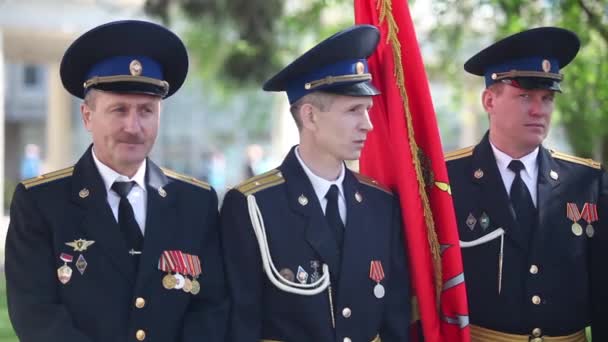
{"x": 533, "y": 269}
{"x": 536, "y": 332}
{"x": 347, "y": 339}
{"x": 140, "y": 302}
{"x": 140, "y": 335}
{"x": 346, "y": 312}
{"x": 536, "y": 299}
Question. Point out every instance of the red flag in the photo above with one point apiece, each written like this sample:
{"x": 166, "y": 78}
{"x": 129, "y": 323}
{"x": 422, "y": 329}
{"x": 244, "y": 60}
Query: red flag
{"x": 404, "y": 152}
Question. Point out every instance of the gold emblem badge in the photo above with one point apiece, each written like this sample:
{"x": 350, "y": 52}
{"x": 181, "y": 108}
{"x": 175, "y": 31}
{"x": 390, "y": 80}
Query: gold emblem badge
{"x": 302, "y": 200}
{"x": 162, "y": 192}
{"x": 360, "y": 67}
{"x": 546, "y": 65}
{"x": 80, "y": 245}
{"x": 478, "y": 174}
{"x": 84, "y": 193}
{"x": 135, "y": 67}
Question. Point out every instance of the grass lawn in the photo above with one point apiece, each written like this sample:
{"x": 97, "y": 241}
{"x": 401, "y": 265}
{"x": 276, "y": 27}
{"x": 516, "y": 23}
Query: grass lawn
{"x": 6, "y": 329}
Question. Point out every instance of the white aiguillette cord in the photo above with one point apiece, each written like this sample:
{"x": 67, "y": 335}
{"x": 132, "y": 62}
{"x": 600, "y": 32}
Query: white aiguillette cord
{"x": 273, "y": 275}
{"x": 499, "y": 232}
{"x": 257, "y": 222}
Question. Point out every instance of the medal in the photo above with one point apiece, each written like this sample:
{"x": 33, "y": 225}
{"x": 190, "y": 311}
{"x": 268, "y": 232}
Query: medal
{"x": 166, "y": 265}
{"x": 179, "y": 281}
{"x": 379, "y": 291}
{"x": 589, "y": 214}
{"x": 484, "y": 221}
{"x": 197, "y": 270}
{"x": 315, "y": 264}
{"x": 590, "y": 231}
{"x": 187, "y": 285}
{"x": 577, "y": 229}
{"x": 196, "y": 287}
{"x": 376, "y": 273}
{"x": 574, "y": 215}
{"x": 302, "y": 275}
{"x": 471, "y": 221}
{"x": 169, "y": 281}
{"x": 64, "y": 273}
{"x": 81, "y": 264}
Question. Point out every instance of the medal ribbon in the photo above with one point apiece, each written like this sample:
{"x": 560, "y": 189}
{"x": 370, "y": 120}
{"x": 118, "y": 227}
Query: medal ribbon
{"x": 590, "y": 213}
{"x": 185, "y": 260}
{"x": 376, "y": 272}
{"x": 165, "y": 263}
{"x": 197, "y": 266}
{"x": 191, "y": 269}
{"x": 66, "y": 257}
{"x": 572, "y": 212}
{"x": 178, "y": 261}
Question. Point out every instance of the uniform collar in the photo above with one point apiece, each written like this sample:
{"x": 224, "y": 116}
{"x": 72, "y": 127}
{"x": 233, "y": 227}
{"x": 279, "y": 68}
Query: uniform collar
{"x": 109, "y": 176}
{"x": 529, "y": 160}
{"x": 321, "y": 185}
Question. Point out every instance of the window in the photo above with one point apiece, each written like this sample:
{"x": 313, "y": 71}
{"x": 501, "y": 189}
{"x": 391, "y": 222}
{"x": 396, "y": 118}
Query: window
{"x": 31, "y": 76}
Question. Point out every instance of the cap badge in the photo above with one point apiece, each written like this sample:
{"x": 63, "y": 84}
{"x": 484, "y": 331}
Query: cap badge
{"x": 546, "y": 65}
{"x": 360, "y": 67}
{"x": 135, "y": 67}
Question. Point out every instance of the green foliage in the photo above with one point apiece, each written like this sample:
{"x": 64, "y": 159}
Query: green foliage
{"x": 6, "y": 329}
{"x": 581, "y": 108}
{"x": 243, "y": 42}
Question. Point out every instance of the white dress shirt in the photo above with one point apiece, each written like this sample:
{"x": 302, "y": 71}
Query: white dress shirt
{"x": 529, "y": 175}
{"x": 321, "y": 186}
{"x": 137, "y": 197}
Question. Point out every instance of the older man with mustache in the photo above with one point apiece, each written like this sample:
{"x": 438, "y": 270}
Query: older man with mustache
{"x": 116, "y": 248}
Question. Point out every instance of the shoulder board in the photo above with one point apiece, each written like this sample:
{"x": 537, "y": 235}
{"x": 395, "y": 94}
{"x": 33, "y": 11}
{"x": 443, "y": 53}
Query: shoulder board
{"x": 372, "y": 182}
{"x": 583, "y": 161}
{"x": 48, "y": 177}
{"x": 261, "y": 182}
{"x": 187, "y": 179}
{"x": 461, "y": 153}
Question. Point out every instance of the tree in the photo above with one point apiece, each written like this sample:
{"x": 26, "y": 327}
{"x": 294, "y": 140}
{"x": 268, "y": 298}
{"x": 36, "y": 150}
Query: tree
{"x": 581, "y": 108}
{"x": 243, "y": 42}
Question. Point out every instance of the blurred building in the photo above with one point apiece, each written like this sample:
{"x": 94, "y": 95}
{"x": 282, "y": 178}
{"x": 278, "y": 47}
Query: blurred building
{"x": 201, "y": 134}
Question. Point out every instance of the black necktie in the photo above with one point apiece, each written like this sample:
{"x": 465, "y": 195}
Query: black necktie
{"x": 126, "y": 219}
{"x": 332, "y": 214}
{"x": 521, "y": 198}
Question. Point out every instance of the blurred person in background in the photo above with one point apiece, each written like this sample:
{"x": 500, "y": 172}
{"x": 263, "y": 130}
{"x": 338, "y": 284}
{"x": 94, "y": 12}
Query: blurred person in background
{"x": 31, "y": 163}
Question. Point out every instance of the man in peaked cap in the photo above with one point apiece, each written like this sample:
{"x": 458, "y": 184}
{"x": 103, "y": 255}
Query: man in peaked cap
{"x": 527, "y": 215}
{"x": 112, "y": 248}
{"x": 313, "y": 251}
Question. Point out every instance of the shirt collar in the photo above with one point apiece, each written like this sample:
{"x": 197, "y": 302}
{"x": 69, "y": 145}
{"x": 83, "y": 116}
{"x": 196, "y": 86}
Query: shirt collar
{"x": 321, "y": 185}
{"x": 109, "y": 176}
{"x": 529, "y": 160}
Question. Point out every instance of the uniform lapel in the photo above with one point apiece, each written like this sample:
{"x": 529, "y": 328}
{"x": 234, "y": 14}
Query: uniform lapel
{"x": 355, "y": 219}
{"x": 99, "y": 224}
{"x": 317, "y": 233}
{"x": 548, "y": 182}
{"x": 161, "y": 218}
{"x": 494, "y": 198}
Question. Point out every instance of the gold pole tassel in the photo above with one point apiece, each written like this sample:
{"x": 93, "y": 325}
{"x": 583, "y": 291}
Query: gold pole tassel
{"x": 385, "y": 7}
